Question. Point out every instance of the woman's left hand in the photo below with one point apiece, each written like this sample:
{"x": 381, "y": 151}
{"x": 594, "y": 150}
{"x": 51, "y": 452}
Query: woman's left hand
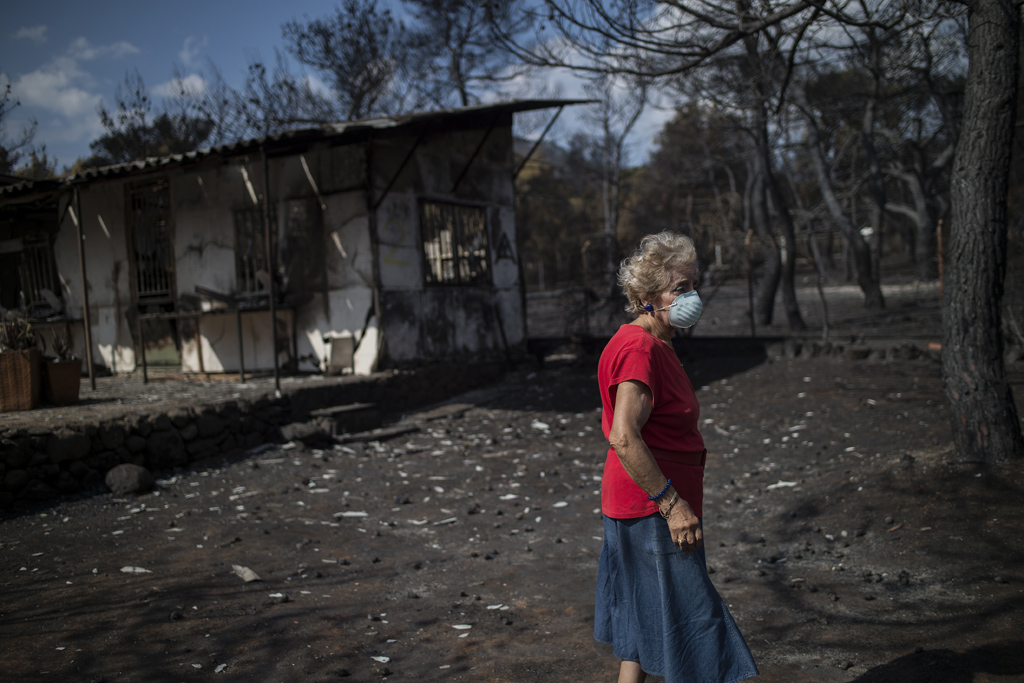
{"x": 685, "y": 527}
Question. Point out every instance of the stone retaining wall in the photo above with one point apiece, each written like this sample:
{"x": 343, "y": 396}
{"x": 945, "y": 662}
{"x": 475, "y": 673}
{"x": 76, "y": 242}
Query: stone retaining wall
{"x": 39, "y": 463}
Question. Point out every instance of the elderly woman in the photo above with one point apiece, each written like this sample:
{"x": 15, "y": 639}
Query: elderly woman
{"x": 655, "y": 602}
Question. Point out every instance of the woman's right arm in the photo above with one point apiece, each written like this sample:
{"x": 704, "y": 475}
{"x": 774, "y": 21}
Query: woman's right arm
{"x": 632, "y": 409}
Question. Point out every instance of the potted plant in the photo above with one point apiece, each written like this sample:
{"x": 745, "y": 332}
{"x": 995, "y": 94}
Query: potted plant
{"x": 62, "y": 376}
{"x": 20, "y": 365}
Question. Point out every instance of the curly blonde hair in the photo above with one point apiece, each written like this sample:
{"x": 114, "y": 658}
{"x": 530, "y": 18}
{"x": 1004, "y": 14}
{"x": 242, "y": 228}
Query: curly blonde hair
{"x": 645, "y": 274}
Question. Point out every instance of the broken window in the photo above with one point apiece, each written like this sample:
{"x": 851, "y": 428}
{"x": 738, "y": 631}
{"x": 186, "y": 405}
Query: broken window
{"x": 250, "y": 249}
{"x": 454, "y": 243}
{"x": 28, "y": 276}
{"x": 149, "y": 221}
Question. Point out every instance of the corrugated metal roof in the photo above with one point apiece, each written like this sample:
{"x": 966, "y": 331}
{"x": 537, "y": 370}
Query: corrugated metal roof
{"x": 27, "y": 186}
{"x": 289, "y": 138}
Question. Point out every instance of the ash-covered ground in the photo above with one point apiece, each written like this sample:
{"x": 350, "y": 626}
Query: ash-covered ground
{"x": 848, "y": 545}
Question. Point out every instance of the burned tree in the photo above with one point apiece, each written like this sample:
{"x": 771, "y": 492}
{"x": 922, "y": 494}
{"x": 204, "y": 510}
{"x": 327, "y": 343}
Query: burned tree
{"x": 619, "y": 108}
{"x": 361, "y": 50}
{"x": 983, "y": 416}
{"x": 131, "y": 133}
{"x": 454, "y": 53}
{"x": 866, "y": 278}
{"x": 12, "y": 149}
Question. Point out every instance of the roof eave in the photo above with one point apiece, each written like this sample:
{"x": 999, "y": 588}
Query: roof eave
{"x": 335, "y": 133}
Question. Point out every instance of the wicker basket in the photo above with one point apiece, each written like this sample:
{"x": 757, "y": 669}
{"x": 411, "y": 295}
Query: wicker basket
{"x": 20, "y": 379}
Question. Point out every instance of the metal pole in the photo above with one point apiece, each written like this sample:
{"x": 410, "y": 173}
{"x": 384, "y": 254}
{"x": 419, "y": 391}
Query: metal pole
{"x": 271, "y": 265}
{"x": 77, "y": 215}
{"x": 371, "y": 204}
{"x": 241, "y": 355}
{"x": 142, "y": 347}
{"x": 750, "y": 283}
{"x": 199, "y": 345}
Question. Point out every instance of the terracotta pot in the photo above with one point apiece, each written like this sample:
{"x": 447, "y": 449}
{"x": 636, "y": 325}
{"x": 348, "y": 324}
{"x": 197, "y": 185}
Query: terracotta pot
{"x": 20, "y": 379}
{"x": 62, "y": 380}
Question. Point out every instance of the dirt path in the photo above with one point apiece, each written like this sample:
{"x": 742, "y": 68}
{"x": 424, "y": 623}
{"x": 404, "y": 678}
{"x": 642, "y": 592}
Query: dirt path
{"x": 847, "y": 547}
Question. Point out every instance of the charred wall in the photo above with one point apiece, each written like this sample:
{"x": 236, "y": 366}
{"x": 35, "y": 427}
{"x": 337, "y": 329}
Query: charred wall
{"x": 423, "y": 319}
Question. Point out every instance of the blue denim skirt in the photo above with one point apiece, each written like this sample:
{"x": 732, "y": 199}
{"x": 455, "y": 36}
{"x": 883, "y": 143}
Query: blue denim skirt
{"x": 656, "y": 606}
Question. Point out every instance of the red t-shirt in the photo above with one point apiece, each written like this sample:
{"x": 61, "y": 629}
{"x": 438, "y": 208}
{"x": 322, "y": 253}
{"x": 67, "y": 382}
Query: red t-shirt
{"x": 635, "y": 354}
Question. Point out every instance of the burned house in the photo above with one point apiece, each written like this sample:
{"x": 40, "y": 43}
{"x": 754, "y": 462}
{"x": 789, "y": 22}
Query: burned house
{"x": 392, "y": 243}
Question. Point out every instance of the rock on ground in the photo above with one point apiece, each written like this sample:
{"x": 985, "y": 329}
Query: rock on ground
{"x": 127, "y": 478}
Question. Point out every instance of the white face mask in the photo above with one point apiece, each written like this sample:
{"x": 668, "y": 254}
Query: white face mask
{"x": 685, "y": 311}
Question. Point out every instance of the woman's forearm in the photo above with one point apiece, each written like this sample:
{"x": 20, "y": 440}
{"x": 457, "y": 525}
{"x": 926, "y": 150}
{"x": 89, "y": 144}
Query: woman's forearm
{"x": 632, "y": 409}
{"x": 639, "y": 463}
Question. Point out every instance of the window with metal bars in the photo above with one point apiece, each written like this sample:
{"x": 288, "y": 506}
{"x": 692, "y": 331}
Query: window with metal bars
{"x": 29, "y": 281}
{"x": 251, "y": 268}
{"x": 149, "y": 218}
{"x": 454, "y": 243}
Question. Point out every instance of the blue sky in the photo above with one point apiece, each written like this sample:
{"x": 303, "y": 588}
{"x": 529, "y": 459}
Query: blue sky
{"x": 63, "y": 58}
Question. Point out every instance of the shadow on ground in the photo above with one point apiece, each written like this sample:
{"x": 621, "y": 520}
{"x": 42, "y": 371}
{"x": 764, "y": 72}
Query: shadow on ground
{"x": 947, "y": 666}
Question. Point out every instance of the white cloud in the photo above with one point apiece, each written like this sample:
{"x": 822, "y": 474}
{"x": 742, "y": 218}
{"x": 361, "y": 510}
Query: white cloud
{"x": 63, "y": 96}
{"x": 56, "y": 87}
{"x": 61, "y": 86}
{"x": 34, "y": 33}
{"x": 191, "y": 49}
{"x": 193, "y": 83}
{"x": 82, "y": 49}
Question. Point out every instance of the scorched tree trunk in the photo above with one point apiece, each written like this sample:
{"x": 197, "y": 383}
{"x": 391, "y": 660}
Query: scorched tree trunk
{"x": 983, "y": 417}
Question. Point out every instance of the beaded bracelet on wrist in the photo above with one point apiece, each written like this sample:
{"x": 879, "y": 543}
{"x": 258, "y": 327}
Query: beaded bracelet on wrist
{"x": 668, "y": 482}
